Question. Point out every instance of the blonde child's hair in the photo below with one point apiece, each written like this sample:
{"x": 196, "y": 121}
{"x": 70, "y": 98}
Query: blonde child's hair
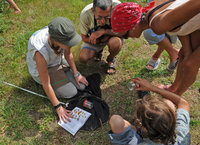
{"x": 155, "y": 120}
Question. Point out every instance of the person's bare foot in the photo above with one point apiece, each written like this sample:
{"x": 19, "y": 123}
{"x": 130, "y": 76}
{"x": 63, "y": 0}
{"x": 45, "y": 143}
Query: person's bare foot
{"x": 167, "y": 87}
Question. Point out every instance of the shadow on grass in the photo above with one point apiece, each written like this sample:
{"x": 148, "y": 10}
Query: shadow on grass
{"x": 144, "y": 73}
{"x": 30, "y": 116}
{"x": 20, "y": 111}
{"x": 120, "y": 100}
{"x": 93, "y": 67}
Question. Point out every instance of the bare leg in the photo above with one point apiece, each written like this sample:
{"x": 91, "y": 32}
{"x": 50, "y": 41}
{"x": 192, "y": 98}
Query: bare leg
{"x": 114, "y": 45}
{"x": 85, "y": 55}
{"x": 158, "y": 52}
{"x": 191, "y": 65}
{"x": 188, "y": 67}
{"x": 190, "y": 71}
{"x": 12, "y": 3}
{"x": 165, "y": 44}
{"x": 179, "y": 75}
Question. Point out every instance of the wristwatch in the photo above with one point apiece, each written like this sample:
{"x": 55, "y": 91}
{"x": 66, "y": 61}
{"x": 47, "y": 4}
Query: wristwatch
{"x": 78, "y": 74}
{"x": 57, "y": 106}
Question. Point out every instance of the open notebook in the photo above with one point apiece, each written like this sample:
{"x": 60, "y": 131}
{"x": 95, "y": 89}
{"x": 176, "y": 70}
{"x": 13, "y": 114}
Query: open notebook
{"x": 80, "y": 116}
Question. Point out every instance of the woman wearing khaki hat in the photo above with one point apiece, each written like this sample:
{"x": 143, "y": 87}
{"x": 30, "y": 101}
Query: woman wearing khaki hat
{"x": 51, "y": 62}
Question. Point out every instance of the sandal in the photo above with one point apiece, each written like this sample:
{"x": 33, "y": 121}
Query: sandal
{"x": 153, "y": 63}
{"x": 172, "y": 65}
{"x": 112, "y": 66}
{"x": 98, "y": 55}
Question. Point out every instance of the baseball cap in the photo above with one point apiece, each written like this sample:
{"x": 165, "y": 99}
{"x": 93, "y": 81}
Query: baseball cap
{"x": 63, "y": 30}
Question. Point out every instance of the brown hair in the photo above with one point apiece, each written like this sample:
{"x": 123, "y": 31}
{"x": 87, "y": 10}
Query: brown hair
{"x": 155, "y": 120}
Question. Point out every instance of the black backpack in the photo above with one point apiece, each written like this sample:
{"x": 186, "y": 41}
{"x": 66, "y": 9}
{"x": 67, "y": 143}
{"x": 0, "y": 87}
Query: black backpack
{"x": 100, "y": 109}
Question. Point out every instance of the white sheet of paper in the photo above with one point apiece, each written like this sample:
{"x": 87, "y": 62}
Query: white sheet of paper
{"x": 80, "y": 117}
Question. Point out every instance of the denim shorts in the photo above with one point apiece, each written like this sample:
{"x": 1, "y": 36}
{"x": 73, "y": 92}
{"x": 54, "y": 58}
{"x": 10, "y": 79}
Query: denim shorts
{"x": 153, "y": 38}
{"x": 128, "y": 137}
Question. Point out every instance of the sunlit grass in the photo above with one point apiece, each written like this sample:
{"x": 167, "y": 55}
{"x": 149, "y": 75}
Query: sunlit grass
{"x": 29, "y": 119}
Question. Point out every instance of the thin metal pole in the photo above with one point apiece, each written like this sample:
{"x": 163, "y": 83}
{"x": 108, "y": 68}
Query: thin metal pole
{"x": 29, "y": 91}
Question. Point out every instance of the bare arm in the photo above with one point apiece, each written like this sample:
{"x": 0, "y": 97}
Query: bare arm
{"x": 180, "y": 15}
{"x": 111, "y": 33}
{"x": 91, "y": 39}
{"x": 95, "y": 35}
{"x": 70, "y": 59}
{"x": 177, "y": 100}
{"x": 85, "y": 38}
{"x": 45, "y": 79}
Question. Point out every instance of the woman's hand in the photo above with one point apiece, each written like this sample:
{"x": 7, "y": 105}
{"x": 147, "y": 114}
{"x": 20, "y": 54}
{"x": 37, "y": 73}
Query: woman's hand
{"x": 81, "y": 79}
{"x": 63, "y": 114}
{"x": 142, "y": 84}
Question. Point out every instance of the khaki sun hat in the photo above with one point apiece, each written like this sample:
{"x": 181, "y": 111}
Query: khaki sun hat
{"x": 63, "y": 30}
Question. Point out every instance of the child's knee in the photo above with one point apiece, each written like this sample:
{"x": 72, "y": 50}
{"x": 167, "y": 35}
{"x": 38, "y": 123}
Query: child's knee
{"x": 117, "y": 124}
{"x": 114, "y": 119}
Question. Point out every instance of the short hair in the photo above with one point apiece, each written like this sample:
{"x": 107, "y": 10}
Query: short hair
{"x": 155, "y": 120}
{"x": 102, "y": 4}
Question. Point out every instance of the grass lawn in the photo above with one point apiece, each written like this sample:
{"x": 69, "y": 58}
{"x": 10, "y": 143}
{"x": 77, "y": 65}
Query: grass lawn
{"x": 29, "y": 119}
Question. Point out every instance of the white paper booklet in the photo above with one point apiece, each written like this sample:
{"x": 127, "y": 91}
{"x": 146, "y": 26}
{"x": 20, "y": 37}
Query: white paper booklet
{"x": 80, "y": 116}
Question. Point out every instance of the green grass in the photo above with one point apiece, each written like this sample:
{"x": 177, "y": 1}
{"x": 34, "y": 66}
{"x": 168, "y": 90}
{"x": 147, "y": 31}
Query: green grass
{"x": 29, "y": 119}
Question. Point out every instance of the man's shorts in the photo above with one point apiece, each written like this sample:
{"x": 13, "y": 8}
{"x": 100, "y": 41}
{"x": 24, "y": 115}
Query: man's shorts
{"x": 128, "y": 137}
{"x": 97, "y": 47}
{"x": 153, "y": 38}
